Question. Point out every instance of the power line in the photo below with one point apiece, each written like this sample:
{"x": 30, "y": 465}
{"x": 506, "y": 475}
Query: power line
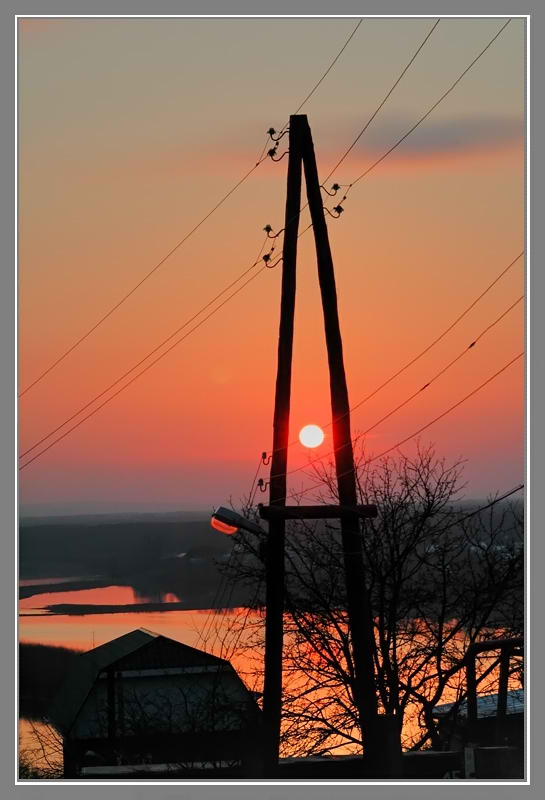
{"x": 357, "y": 405}
{"x": 379, "y": 161}
{"x": 429, "y": 347}
{"x": 294, "y": 513}
{"x": 267, "y": 266}
{"x": 415, "y": 394}
{"x": 73, "y": 416}
{"x": 144, "y": 279}
{"x": 308, "y": 227}
{"x": 247, "y": 615}
{"x": 187, "y": 236}
{"x": 484, "y": 508}
{"x": 371, "y": 118}
{"x": 141, "y": 373}
{"x": 444, "y": 414}
{"x": 313, "y": 90}
{"x": 359, "y": 136}
{"x": 456, "y": 82}
{"x": 298, "y": 495}
{"x": 328, "y": 70}
{"x": 264, "y": 149}
{"x": 217, "y": 599}
{"x": 385, "y": 155}
{"x": 480, "y": 509}
{"x": 152, "y": 352}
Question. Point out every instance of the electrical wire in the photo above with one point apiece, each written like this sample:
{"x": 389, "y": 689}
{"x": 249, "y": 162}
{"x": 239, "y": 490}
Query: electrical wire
{"x": 308, "y": 227}
{"x": 152, "y": 352}
{"x": 406, "y": 135}
{"x": 426, "y": 349}
{"x": 328, "y": 70}
{"x": 214, "y": 607}
{"x": 371, "y": 118}
{"x": 408, "y": 400}
{"x": 66, "y": 433}
{"x": 247, "y": 615}
{"x": 264, "y": 149}
{"x": 298, "y": 495}
{"x": 267, "y": 266}
{"x": 364, "y": 128}
{"x": 436, "y": 341}
{"x": 187, "y": 236}
{"x": 480, "y": 509}
{"x": 385, "y": 155}
{"x": 484, "y": 508}
{"x": 217, "y": 603}
{"x": 357, "y": 405}
{"x": 144, "y": 279}
{"x": 51, "y": 433}
{"x": 456, "y": 82}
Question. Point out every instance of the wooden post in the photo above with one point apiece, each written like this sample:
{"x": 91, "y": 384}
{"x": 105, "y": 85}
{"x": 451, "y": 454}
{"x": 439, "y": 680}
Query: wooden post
{"x": 272, "y": 689}
{"x": 503, "y": 687}
{"x": 471, "y": 676}
{"x": 110, "y": 688}
{"x": 359, "y": 614}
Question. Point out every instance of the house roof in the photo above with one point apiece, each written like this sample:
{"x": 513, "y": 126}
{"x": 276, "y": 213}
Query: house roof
{"x": 132, "y": 650}
{"x": 487, "y": 705}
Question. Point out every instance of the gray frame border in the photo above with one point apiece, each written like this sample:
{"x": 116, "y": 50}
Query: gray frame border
{"x": 7, "y": 397}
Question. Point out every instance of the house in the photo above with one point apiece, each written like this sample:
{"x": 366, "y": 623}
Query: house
{"x": 145, "y": 699}
{"x": 452, "y": 720}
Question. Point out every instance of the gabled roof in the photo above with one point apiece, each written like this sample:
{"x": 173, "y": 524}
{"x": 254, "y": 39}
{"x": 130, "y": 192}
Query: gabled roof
{"x": 127, "y": 651}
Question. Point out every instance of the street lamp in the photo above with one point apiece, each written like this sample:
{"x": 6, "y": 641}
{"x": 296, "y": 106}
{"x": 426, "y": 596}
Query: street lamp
{"x": 229, "y": 522}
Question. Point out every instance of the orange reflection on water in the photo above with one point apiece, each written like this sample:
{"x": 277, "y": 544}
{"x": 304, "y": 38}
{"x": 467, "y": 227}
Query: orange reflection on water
{"x": 91, "y": 630}
{"x": 79, "y": 632}
{"x": 108, "y": 595}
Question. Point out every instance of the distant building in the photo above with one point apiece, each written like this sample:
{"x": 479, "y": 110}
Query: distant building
{"x": 144, "y": 699}
{"x": 452, "y": 720}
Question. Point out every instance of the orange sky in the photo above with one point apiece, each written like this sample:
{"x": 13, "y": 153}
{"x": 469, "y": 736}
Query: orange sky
{"x": 131, "y": 130}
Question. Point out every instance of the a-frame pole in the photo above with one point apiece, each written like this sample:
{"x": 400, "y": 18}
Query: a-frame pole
{"x": 359, "y": 615}
{"x": 272, "y": 690}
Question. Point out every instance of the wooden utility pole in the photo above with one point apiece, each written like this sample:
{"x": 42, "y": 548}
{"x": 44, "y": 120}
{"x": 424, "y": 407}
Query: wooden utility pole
{"x": 379, "y": 739}
{"x": 272, "y": 689}
{"x": 359, "y": 613}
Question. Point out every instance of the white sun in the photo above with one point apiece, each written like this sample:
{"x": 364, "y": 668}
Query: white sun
{"x": 311, "y": 436}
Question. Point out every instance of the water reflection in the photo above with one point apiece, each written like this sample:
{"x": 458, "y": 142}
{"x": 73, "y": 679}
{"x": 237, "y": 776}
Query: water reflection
{"x": 91, "y": 630}
{"x": 63, "y": 631}
{"x": 109, "y": 595}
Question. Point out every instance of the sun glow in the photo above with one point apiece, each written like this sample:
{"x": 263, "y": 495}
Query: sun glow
{"x": 311, "y": 436}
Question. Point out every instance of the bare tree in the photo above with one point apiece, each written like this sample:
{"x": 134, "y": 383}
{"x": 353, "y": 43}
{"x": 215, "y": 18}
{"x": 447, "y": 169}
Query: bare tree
{"x": 438, "y": 580}
{"x": 41, "y": 755}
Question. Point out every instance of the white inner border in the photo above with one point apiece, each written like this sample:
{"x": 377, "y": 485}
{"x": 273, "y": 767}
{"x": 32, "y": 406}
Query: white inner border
{"x": 527, "y": 360}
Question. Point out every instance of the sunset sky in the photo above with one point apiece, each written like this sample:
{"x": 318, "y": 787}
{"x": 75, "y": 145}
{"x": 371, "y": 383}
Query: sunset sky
{"x": 131, "y": 130}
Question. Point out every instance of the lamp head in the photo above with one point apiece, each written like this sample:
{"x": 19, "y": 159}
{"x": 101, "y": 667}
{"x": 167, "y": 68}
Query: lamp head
{"x": 229, "y": 522}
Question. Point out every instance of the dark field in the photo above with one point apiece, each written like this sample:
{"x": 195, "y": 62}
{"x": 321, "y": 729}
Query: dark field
{"x": 42, "y": 670}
